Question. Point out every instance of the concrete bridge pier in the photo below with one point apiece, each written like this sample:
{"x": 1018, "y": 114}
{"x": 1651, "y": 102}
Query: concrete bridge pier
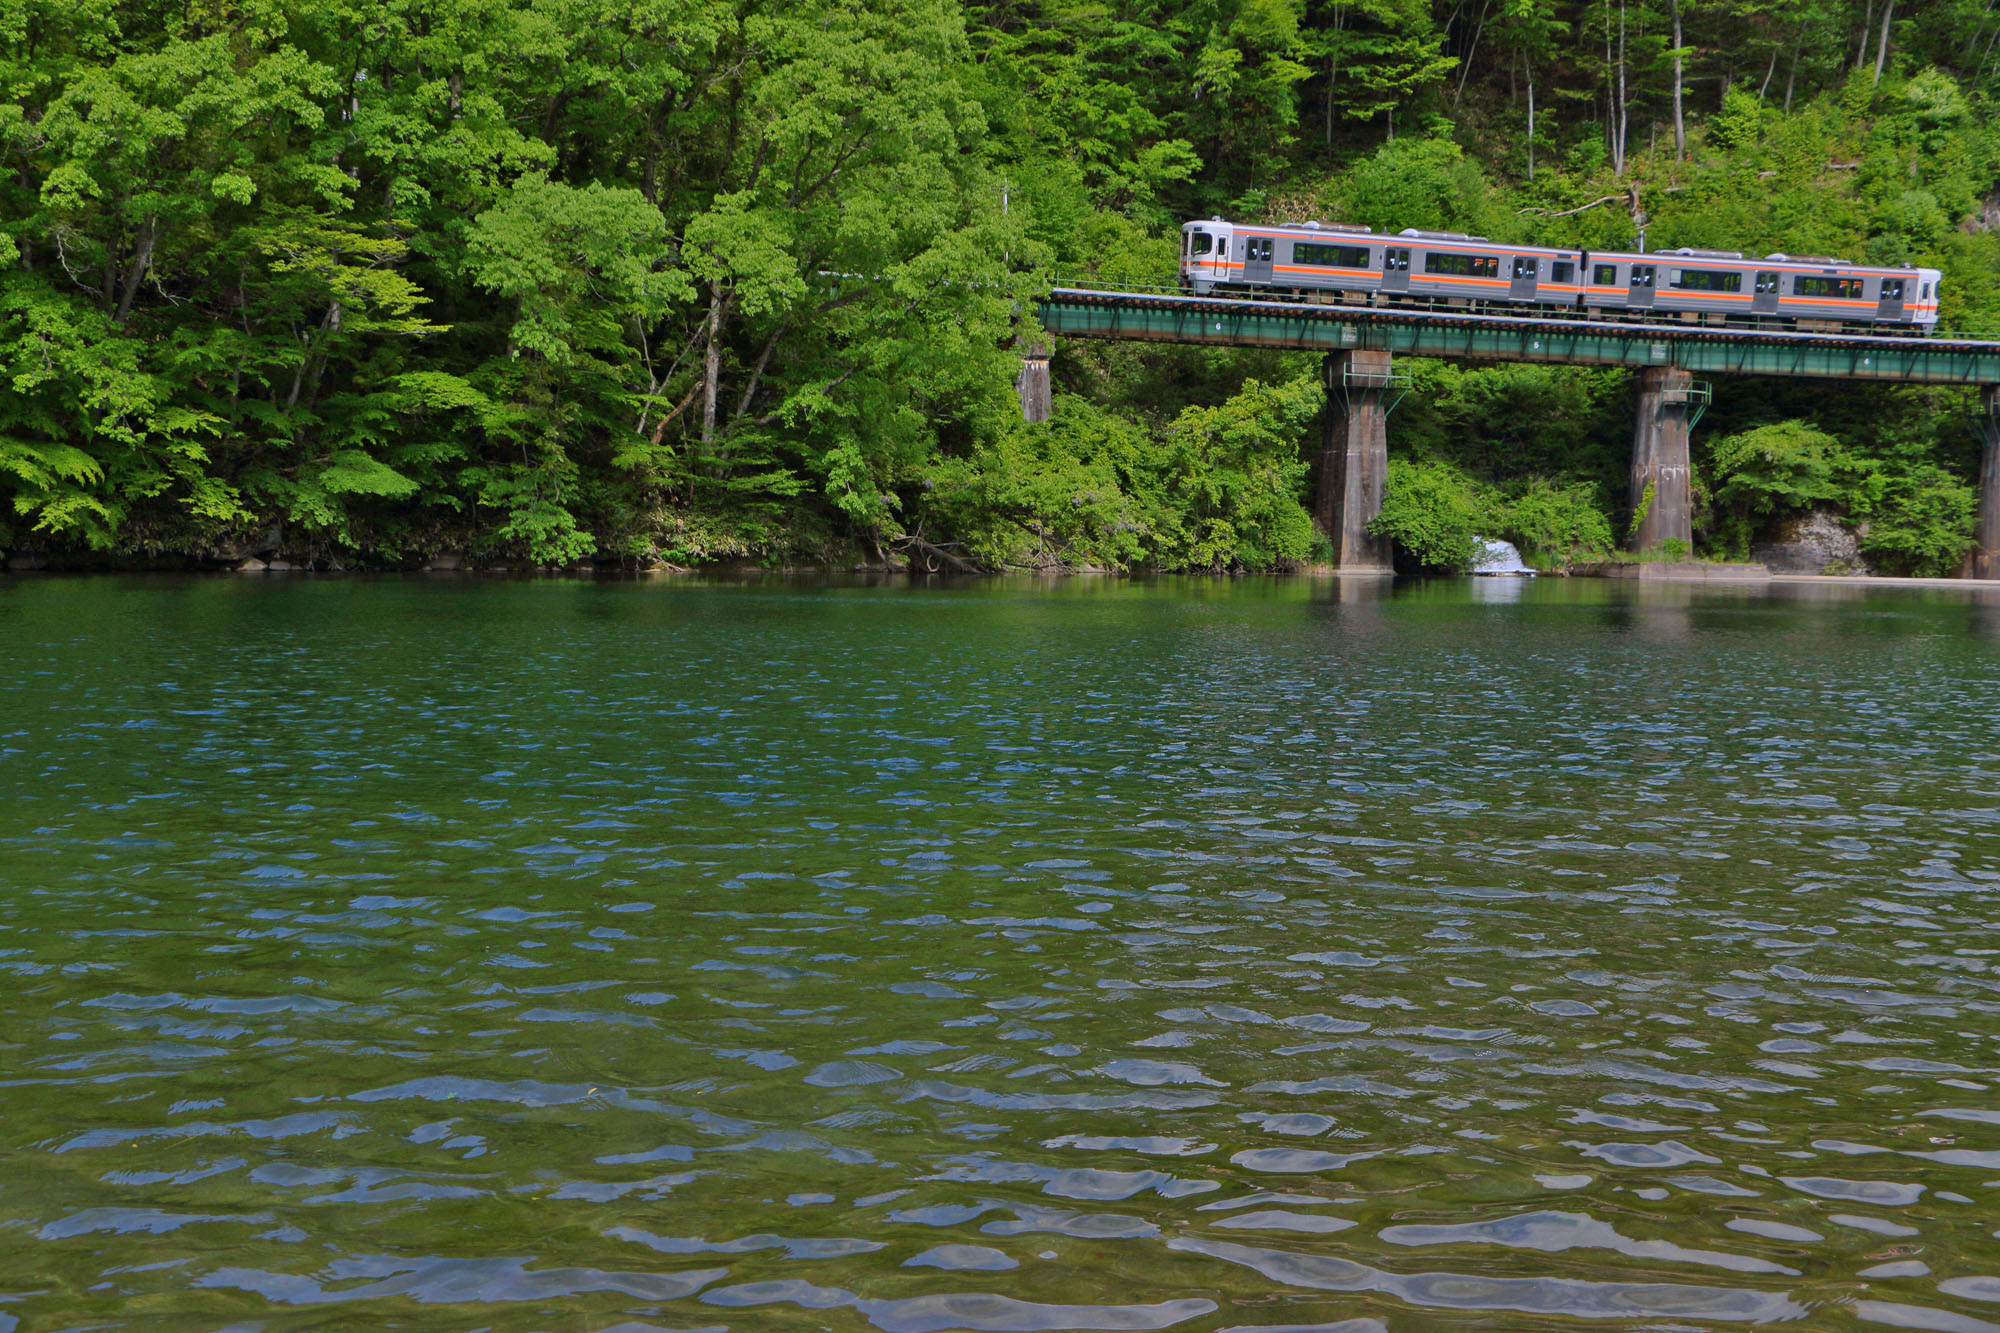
{"x": 1662, "y": 501}
{"x": 1986, "y": 551}
{"x": 1033, "y": 382}
{"x": 1354, "y": 457}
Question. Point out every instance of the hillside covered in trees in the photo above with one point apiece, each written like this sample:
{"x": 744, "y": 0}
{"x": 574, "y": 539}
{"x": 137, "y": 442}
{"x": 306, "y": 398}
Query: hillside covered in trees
{"x": 547, "y": 281}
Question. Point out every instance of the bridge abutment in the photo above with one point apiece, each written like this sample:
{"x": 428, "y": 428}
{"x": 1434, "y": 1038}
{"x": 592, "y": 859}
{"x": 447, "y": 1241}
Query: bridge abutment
{"x": 1662, "y": 500}
{"x": 1986, "y": 551}
{"x": 1354, "y": 457}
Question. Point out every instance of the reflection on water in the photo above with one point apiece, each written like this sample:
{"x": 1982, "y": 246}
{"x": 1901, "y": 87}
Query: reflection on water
{"x": 1189, "y": 955}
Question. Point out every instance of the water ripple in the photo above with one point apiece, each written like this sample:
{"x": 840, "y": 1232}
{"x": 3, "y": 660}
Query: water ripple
{"x": 1241, "y": 958}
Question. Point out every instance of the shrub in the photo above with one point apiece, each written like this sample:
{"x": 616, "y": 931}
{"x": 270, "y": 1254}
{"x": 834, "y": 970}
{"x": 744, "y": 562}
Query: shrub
{"x": 1763, "y": 472}
{"x": 1556, "y": 525}
{"x": 1235, "y": 474}
{"x": 1433, "y": 512}
{"x": 1921, "y": 520}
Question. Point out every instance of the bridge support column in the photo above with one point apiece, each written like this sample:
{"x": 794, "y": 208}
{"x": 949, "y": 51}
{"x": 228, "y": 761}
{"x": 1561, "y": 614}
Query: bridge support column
{"x": 1662, "y": 504}
{"x": 1033, "y": 383}
{"x": 1986, "y": 554}
{"x": 1354, "y": 458}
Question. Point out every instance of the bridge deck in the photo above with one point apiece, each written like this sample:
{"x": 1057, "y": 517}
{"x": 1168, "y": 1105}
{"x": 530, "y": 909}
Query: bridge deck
{"x": 1078, "y": 312}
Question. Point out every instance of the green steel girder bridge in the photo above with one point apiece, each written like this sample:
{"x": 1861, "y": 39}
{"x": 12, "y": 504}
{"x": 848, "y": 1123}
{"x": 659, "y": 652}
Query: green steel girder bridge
{"x": 1361, "y": 341}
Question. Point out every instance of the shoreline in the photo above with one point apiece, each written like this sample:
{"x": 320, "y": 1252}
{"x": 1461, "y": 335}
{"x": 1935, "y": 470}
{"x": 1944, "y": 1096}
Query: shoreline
{"x": 1691, "y": 573}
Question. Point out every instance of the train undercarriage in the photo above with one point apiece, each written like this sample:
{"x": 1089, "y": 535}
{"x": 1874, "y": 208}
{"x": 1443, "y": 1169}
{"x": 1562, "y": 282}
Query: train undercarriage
{"x": 1558, "y": 311}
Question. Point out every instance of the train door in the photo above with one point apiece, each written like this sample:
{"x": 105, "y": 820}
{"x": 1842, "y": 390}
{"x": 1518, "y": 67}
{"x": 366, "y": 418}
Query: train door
{"x": 1765, "y": 301}
{"x": 1396, "y": 269}
{"x": 1257, "y": 259}
{"x": 1639, "y": 294}
{"x": 1891, "y": 302}
{"x": 1527, "y": 277}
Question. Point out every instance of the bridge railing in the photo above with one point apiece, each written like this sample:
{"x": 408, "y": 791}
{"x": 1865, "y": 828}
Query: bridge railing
{"x": 1098, "y": 283}
{"x": 1358, "y": 301}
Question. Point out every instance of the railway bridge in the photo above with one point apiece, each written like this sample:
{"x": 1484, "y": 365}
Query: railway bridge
{"x": 1360, "y": 343}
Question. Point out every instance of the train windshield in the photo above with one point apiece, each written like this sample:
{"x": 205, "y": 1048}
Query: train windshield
{"x": 1200, "y": 243}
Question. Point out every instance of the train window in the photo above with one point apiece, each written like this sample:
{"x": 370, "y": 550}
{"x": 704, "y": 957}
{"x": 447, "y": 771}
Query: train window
{"x": 1766, "y": 282}
{"x": 1562, "y": 271}
{"x": 1707, "y": 280}
{"x": 1331, "y": 256}
{"x": 1927, "y": 292}
{"x": 1840, "y": 288}
{"x": 1477, "y": 266}
{"x": 1201, "y": 242}
{"x": 1396, "y": 261}
{"x": 1892, "y": 289}
{"x": 1604, "y": 275}
{"x": 1642, "y": 275}
{"x": 1258, "y": 248}
{"x": 1525, "y": 267}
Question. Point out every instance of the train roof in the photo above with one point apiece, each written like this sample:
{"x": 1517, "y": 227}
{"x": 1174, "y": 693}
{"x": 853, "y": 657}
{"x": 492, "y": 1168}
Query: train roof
{"x": 1441, "y": 239}
{"x": 1789, "y": 263}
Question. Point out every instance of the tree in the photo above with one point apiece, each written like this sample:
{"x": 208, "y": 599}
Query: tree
{"x": 1377, "y": 55}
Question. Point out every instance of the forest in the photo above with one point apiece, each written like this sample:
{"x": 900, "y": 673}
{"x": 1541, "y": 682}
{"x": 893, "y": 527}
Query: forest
{"x": 566, "y": 283}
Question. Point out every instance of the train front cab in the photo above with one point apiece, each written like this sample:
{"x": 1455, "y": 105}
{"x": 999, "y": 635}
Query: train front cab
{"x": 1921, "y": 307}
{"x": 1205, "y": 255}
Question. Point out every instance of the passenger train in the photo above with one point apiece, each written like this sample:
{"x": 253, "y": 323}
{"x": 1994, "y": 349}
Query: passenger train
{"x": 1355, "y": 265}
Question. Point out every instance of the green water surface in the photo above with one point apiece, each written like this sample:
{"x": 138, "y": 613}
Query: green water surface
{"x": 447, "y": 954}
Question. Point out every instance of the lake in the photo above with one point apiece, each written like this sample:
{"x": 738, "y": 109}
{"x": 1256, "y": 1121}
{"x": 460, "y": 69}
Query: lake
{"x": 818, "y": 954}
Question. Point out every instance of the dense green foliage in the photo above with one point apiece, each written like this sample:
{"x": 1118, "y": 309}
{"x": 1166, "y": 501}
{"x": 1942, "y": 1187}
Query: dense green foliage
{"x": 550, "y": 280}
{"x": 1914, "y": 516}
{"x": 1435, "y": 512}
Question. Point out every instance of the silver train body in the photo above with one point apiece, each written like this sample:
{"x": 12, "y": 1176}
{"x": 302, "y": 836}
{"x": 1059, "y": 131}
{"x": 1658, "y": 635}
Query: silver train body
{"x": 1355, "y": 265}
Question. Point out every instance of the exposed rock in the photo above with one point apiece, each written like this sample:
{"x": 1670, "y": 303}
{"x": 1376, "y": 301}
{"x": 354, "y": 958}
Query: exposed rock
{"x": 1985, "y": 218}
{"x": 252, "y": 566}
{"x": 444, "y": 561}
{"x": 282, "y": 566}
{"x": 1816, "y": 542}
{"x": 21, "y": 560}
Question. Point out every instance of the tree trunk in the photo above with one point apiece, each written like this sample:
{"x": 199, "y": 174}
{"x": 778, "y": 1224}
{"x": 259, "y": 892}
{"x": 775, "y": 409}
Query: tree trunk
{"x": 1329, "y": 98}
{"x": 1792, "y": 71}
{"x": 757, "y": 371}
{"x": 711, "y": 366}
{"x": 1680, "y": 119}
{"x": 1882, "y": 47}
{"x": 1867, "y": 23}
{"x": 142, "y": 259}
{"x": 1530, "y": 66}
{"x": 1618, "y": 156}
{"x": 1610, "y": 92}
{"x": 1769, "y": 70}
{"x": 1471, "y": 49}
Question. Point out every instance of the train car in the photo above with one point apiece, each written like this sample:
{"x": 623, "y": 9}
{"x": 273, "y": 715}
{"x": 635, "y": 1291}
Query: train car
{"x": 1724, "y": 286}
{"x": 1314, "y": 262}
{"x": 1318, "y": 262}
